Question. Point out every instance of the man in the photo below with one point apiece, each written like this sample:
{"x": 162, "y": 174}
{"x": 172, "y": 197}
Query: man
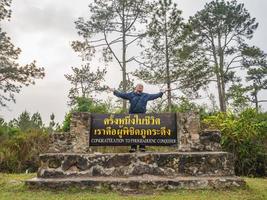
{"x": 138, "y": 101}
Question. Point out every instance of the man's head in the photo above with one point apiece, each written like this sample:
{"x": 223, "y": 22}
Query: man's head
{"x": 139, "y": 88}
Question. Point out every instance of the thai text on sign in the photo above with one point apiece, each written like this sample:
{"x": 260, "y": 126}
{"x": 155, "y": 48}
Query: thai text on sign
{"x": 127, "y": 129}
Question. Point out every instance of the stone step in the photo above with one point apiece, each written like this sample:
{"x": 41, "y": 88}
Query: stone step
{"x": 138, "y": 183}
{"x": 60, "y": 165}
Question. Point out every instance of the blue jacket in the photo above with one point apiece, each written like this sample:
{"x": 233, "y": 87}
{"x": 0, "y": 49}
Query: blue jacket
{"x": 138, "y": 101}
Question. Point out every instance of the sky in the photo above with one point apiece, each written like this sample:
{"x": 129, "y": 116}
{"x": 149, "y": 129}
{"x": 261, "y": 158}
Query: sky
{"x": 44, "y": 31}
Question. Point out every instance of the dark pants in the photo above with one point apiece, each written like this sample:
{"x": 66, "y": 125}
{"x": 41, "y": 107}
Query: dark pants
{"x": 134, "y": 146}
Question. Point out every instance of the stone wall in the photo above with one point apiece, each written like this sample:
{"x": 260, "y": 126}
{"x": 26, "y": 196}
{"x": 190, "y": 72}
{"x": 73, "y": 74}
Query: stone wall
{"x": 76, "y": 140}
{"x": 171, "y": 164}
{"x": 60, "y": 142}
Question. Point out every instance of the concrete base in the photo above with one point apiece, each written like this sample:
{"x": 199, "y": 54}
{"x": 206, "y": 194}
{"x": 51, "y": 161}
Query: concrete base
{"x": 137, "y": 171}
{"x": 138, "y": 183}
{"x": 63, "y": 165}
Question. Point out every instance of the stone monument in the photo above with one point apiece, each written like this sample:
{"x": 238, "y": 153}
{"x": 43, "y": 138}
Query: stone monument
{"x": 198, "y": 161}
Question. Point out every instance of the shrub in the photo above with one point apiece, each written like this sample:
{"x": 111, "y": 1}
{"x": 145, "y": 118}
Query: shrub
{"x": 7, "y": 132}
{"x": 84, "y": 105}
{"x": 185, "y": 105}
{"x": 21, "y": 152}
{"x": 243, "y": 135}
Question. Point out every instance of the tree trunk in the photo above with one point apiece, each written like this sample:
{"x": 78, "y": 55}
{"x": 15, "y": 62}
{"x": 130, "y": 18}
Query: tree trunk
{"x": 223, "y": 109}
{"x": 124, "y": 79}
{"x": 256, "y": 101}
{"x": 221, "y": 74}
{"x": 218, "y": 77}
{"x": 219, "y": 87}
{"x": 167, "y": 67}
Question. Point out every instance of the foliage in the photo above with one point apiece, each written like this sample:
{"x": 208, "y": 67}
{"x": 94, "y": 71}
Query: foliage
{"x": 5, "y": 12}
{"x": 21, "y": 142}
{"x": 12, "y": 75}
{"x": 7, "y": 131}
{"x": 242, "y": 96}
{"x": 85, "y": 82}
{"x": 164, "y": 37}
{"x": 257, "y": 76}
{"x": 88, "y": 105}
{"x": 222, "y": 29}
{"x": 27, "y": 122}
{"x": 52, "y": 122}
{"x": 169, "y": 54}
{"x": 84, "y": 105}
{"x": 184, "y": 105}
{"x": 158, "y": 106}
{"x": 243, "y": 135}
{"x": 237, "y": 97}
{"x": 113, "y": 24}
{"x": 21, "y": 151}
{"x": 66, "y": 122}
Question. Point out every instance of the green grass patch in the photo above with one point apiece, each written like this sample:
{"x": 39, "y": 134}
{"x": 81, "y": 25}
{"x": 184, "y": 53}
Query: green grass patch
{"x": 12, "y": 187}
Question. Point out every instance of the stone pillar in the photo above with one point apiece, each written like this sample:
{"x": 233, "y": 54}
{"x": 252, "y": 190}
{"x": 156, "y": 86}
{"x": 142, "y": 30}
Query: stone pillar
{"x": 79, "y": 130}
{"x": 60, "y": 142}
{"x": 188, "y": 129}
{"x": 192, "y": 138}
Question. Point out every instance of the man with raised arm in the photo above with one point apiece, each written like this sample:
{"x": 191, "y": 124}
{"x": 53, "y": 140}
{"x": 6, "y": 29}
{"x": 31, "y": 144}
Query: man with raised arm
{"x": 138, "y": 101}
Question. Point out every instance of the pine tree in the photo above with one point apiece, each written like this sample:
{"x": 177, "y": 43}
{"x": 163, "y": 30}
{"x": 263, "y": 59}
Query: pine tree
{"x": 168, "y": 56}
{"x": 85, "y": 83}
{"x": 12, "y": 75}
{"x": 112, "y": 26}
{"x": 222, "y": 29}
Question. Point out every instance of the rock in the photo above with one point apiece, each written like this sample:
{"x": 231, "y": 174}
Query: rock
{"x": 174, "y": 163}
{"x": 140, "y": 184}
{"x": 54, "y": 163}
{"x": 210, "y": 136}
{"x": 98, "y": 171}
{"x": 46, "y": 173}
{"x": 210, "y": 140}
{"x": 119, "y": 160}
{"x": 188, "y": 128}
{"x": 15, "y": 182}
{"x": 75, "y": 160}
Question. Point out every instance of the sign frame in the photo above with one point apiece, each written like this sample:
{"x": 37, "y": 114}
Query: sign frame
{"x": 150, "y": 129}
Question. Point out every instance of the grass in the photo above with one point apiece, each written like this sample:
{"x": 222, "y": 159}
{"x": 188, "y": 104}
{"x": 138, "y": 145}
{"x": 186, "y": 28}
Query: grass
{"x": 12, "y": 187}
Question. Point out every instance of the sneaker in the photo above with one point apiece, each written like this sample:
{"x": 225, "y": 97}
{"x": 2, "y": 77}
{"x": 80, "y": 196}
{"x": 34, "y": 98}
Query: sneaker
{"x": 142, "y": 149}
{"x": 132, "y": 150}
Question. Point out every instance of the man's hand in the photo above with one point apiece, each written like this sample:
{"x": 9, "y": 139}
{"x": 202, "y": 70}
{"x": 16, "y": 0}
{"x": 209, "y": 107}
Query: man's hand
{"x": 164, "y": 90}
{"x": 111, "y": 89}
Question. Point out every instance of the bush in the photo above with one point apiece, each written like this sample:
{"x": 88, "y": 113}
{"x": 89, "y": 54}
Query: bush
{"x": 84, "y": 105}
{"x": 21, "y": 151}
{"x": 185, "y": 105}
{"x": 7, "y": 132}
{"x": 244, "y": 135}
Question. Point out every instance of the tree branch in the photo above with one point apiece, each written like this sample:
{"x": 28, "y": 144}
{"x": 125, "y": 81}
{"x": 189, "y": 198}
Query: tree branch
{"x": 261, "y": 101}
{"x": 93, "y": 41}
{"x": 231, "y": 62}
{"x": 135, "y": 18}
{"x": 111, "y": 49}
{"x": 133, "y": 41}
